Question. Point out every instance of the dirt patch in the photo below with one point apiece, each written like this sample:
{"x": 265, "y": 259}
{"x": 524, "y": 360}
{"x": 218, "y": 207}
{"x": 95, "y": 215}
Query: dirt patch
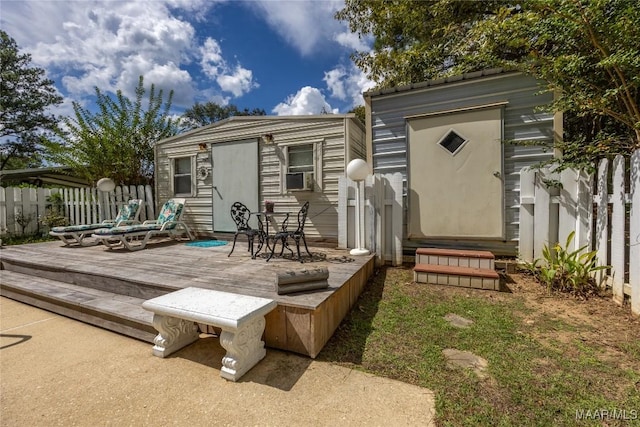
{"x": 561, "y": 320}
{"x": 597, "y": 320}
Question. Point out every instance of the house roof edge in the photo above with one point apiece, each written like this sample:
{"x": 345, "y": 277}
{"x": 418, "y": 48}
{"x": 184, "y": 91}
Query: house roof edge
{"x": 441, "y": 81}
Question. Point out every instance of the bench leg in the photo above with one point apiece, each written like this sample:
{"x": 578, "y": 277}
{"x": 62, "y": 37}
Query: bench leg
{"x": 245, "y": 348}
{"x": 173, "y": 334}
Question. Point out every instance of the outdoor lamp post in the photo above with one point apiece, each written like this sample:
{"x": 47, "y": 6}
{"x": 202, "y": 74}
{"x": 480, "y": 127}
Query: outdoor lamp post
{"x": 106, "y": 185}
{"x": 357, "y": 170}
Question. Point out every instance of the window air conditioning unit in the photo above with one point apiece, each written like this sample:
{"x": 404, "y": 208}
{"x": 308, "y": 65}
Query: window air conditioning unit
{"x": 300, "y": 181}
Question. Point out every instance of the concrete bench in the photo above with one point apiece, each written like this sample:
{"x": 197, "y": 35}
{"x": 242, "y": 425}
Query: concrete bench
{"x": 240, "y": 317}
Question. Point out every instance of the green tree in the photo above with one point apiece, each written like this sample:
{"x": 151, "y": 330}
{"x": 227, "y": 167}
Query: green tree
{"x": 414, "y": 41}
{"x": 588, "y": 53}
{"x": 360, "y": 113}
{"x": 117, "y": 140}
{"x": 25, "y": 95}
{"x": 210, "y": 112}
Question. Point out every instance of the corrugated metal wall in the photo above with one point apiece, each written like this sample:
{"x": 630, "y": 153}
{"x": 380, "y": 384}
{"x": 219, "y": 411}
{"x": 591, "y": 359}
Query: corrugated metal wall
{"x": 333, "y": 136}
{"x": 522, "y": 122}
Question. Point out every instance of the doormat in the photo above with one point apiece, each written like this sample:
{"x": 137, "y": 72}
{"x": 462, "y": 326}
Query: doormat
{"x": 207, "y": 243}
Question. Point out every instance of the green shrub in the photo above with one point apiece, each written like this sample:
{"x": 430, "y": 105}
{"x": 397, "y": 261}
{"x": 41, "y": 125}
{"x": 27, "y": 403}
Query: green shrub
{"x": 11, "y": 239}
{"x": 54, "y": 212}
{"x": 565, "y": 271}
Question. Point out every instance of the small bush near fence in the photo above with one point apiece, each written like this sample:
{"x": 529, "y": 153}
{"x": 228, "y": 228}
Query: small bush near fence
{"x": 561, "y": 269}
{"x": 54, "y": 212}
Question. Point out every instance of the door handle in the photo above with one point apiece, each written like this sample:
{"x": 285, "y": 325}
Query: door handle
{"x": 497, "y": 174}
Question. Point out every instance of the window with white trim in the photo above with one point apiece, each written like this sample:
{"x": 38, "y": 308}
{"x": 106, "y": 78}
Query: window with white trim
{"x": 183, "y": 182}
{"x": 300, "y": 158}
{"x": 300, "y": 168}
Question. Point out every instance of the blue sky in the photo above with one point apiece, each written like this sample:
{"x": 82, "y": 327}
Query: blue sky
{"x": 284, "y": 56}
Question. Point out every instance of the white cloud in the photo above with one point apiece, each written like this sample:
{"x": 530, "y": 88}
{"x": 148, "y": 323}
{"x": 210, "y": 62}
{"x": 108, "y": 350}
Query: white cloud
{"x": 335, "y": 83}
{"x": 165, "y": 77}
{"x": 306, "y": 25}
{"x": 44, "y": 20}
{"x": 307, "y": 100}
{"x": 236, "y": 80}
{"x": 108, "y": 45}
{"x": 348, "y": 84}
{"x": 238, "y": 83}
{"x": 352, "y": 41}
{"x": 90, "y": 44}
{"x": 211, "y": 60}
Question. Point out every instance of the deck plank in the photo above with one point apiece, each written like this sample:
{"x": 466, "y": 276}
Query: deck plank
{"x": 174, "y": 265}
{"x": 118, "y": 280}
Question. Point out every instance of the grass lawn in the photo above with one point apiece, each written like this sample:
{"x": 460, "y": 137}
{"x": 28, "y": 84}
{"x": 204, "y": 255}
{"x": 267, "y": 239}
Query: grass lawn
{"x": 550, "y": 357}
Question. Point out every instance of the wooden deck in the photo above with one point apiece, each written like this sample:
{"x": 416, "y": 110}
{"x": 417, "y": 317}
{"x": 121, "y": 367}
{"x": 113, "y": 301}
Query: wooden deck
{"x": 302, "y": 322}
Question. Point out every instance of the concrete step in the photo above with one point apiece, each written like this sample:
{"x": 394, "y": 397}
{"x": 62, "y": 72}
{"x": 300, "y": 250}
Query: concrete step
{"x": 113, "y": 311}
{"x": 455, "y": 257}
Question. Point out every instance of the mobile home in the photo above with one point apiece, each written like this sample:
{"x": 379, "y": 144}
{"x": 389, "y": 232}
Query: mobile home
{"x": 287, "y": 160}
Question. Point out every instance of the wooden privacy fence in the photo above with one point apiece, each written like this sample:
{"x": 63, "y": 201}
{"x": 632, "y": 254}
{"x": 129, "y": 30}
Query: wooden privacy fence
{"x": 26, "y": 206}
{"x": 380, "y": 217}
{"x": 605, "y": 216}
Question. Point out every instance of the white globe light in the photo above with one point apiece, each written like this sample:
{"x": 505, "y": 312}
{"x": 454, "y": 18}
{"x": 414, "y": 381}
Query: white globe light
{"x": 357, "y": 170}
{"x": 106, "y": 185}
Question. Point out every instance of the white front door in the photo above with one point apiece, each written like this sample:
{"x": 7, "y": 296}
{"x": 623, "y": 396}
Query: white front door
{"x": 455, "y": 175}
{"x": 235, "y": 179}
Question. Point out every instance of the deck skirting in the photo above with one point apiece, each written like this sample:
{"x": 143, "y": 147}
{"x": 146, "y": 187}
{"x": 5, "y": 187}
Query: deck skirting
{"x": 302, "y": 322}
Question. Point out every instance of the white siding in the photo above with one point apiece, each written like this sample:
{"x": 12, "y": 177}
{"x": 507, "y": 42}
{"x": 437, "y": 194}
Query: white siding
{"x": 332, "y": 134}
{"x": 357, "y": 148}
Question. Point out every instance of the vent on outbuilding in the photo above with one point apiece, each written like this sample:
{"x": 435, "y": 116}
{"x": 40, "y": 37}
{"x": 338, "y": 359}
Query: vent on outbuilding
{"x": 452, "y": 142}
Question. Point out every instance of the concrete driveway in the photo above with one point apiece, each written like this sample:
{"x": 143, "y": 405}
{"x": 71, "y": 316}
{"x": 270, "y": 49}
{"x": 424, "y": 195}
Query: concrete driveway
{"x": 57, "y": 371}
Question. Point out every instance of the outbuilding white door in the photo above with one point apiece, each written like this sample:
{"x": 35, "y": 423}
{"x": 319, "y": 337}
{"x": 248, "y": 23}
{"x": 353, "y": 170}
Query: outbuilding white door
{"x": 235, "y": 179}
{"x": 455, "y": 175}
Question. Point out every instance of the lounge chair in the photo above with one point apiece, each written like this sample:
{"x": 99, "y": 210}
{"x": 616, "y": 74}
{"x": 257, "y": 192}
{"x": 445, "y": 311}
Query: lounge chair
{"x": 129, "y": 236}
{"x": 75, "y": 234}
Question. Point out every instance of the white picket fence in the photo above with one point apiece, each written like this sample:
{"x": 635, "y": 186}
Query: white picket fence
{"x": 381, "y": 215}
{"x": 81, "y": 206}
{"x": 605, "y": 216}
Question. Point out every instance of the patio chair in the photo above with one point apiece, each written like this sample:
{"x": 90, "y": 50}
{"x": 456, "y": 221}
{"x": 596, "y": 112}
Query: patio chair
{"x": 75, "y": 234}
{"x": 168, "y": 224}
{"x": 241, "y": 215}
{"x": 296, "y": 235}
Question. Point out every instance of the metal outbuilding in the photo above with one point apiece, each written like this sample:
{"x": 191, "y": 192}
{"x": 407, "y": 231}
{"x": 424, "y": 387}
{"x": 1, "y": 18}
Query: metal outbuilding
{"x": 460, "y": 144}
